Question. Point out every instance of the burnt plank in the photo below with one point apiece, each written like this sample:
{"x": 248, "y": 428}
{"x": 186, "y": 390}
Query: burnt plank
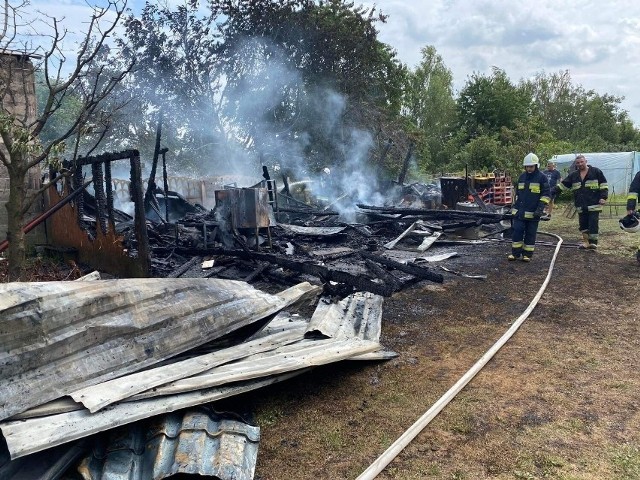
{"x": 414, "y": 270}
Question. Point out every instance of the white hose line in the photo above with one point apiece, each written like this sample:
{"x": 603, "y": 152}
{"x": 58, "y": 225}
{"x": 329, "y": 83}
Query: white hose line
{"x": 392, "y": 452}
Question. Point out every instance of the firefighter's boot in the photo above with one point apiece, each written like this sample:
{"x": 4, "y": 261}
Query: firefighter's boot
{"x": 585, "y": 240}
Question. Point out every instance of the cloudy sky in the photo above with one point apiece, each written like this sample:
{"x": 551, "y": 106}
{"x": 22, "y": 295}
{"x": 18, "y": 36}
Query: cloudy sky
{"x": 597, "y": 42}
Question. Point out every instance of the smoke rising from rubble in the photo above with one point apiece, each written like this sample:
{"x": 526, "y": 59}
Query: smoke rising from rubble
{"x": 270, "y": 116}
{"x": 271, "y": 85}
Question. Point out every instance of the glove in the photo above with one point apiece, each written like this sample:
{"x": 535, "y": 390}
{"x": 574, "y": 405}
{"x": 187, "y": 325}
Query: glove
{"x": 538, "y": 213}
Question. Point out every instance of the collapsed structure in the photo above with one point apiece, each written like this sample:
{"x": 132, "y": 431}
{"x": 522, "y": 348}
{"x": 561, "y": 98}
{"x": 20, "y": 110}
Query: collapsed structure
{"x": 81, "y": 358}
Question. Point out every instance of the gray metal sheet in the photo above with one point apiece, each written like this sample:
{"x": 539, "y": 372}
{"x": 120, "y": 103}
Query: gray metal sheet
{"x": 313, "y": 231}
{"x": 284, "y": 359}
{"x": 353, "y": 323}
{"x": 58, "y": 337}
{"x": 99, "y": 396}
{"x": 358, "y": 315}
{"x": 191, "y": 442}
{"x": 32, "y": 435}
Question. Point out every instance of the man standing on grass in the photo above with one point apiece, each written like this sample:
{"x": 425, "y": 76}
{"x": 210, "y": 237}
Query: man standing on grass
{"x": 553, "y": 176}
{"x": 590, "y": 192}
{"x": 532, "y": 195}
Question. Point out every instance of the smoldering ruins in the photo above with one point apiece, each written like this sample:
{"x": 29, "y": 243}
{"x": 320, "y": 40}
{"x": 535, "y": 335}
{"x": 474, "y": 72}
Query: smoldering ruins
{"x": 213, "y": 286}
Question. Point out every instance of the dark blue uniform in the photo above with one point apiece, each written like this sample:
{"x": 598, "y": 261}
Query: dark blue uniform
{"x": 587, "y": 193}
{"x": 532, "y": 194}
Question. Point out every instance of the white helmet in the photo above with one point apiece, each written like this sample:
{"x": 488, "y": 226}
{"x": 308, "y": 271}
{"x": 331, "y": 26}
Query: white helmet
{"x": 630, "y": 223}
{"x": 531, "y": 159}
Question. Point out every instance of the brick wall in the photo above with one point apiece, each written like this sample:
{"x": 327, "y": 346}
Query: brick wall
{"x": 17, "y": 97}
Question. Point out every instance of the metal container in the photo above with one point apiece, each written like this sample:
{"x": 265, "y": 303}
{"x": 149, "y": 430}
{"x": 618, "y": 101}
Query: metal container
{"x": 247, "y": 207}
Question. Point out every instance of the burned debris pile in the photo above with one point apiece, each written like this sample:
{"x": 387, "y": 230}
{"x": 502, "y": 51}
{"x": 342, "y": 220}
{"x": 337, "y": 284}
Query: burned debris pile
{"x": 379, "y": 252}
{"x": 259, "y": 288}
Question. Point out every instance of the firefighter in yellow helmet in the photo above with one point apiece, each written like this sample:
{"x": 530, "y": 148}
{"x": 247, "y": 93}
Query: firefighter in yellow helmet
{"x": 532, "y": 195}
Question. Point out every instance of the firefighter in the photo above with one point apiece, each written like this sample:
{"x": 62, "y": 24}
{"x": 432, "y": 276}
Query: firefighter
{"x": 590, "y": 192}
{"x": 532, "y": 195}
{"x": 632, "y": 203}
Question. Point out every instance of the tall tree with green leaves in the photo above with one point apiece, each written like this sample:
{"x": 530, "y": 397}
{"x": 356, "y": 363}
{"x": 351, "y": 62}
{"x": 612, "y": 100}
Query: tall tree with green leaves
{"x": 586, "y": 119}
{"x": 430, "y": 107}
{"x": 272, "y": 78}
{"x": 488, "y": 103}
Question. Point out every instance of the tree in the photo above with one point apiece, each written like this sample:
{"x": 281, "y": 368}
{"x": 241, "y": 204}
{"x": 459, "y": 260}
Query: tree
{"x": 488, "y": 103}
{"x": 430, "y": 107}
{"x": 89, "y": 81}
{"x": 588, "y": 120}
{"x": 260, "y": 80}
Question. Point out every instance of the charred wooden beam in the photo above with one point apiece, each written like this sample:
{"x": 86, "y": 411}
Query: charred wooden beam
{"x": 405, "y": 164}
{"x": 306, "y": 211}
{"x": 253, "y": 275}
{"x": 436, "y": 214}
{"x": 382, "y": 274}
{"x": 184, "y": 267}
{"x": 324, "y": 273}
{"x": 414, "y": 270}
{"x": 108, "y": 157}
{"x": 137, "y": 196}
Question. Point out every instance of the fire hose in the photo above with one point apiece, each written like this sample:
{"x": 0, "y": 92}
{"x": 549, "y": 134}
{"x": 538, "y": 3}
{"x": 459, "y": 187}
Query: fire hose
{"x": 392, "y": 452}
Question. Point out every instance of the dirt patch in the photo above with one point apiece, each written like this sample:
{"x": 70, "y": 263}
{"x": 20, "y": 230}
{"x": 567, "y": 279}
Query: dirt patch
{"x": 560, "y": 400}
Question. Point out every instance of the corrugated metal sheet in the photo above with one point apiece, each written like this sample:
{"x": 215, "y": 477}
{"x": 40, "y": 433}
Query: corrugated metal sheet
{"x": 193, "y": 442}
{"x": 24, "y": 437}
{"x": 359, "y": 315}
{"x": 353, "y": 323}
{"x": 59, "y": 337}
{"x": 99, "y": 396}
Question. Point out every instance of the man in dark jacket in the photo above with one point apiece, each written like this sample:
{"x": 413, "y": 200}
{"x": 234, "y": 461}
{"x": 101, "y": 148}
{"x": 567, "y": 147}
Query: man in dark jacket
{"x": 532, "y": 195}
{"x": 632, "y": 202}
{"x": 590, "y": 192}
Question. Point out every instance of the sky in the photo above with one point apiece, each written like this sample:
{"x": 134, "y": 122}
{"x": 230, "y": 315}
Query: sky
{"x": 597, "y": 42}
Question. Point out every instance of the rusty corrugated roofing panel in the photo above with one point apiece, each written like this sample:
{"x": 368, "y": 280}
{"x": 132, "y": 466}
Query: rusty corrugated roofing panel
{"x": 193, "y": 442}
{"x": 58, "y": 337}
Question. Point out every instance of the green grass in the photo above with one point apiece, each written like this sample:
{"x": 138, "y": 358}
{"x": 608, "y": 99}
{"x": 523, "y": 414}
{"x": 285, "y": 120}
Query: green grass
{"x": 613, "y": 241}
{"x": 627, "y": 462}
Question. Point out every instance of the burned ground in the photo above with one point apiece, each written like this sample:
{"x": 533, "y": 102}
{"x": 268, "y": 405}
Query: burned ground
{"x": 559, "y": 400}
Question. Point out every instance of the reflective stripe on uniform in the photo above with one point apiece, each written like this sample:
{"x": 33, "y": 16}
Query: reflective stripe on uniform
{"x": 529, "y": 248}
{"x": 545, "y": 199}
{"x": 592, "y": 184}
{"x": 576, "y": 186}
{"x": 517, "y": 244}
{"x": 534, "y": 187}
{"x": 528, "y": 214}
{"x": 604, "y": 186}
{"x": 632, "y": 196}
{"x": 594, "y": 208}
{"x": 562, "y": 187}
